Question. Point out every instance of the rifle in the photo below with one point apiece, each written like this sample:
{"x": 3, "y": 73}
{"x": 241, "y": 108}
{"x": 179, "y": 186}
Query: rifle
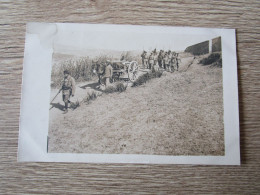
{"x": 55, "y": 97}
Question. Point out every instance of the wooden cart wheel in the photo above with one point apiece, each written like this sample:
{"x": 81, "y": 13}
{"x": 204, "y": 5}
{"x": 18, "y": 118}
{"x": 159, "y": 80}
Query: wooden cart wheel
{"x": 133, "y": 69}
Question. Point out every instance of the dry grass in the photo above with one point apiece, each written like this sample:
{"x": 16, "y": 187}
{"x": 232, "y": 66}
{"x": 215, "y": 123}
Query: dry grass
{"x": 177, "y": 114}
{"x": 80, "y": 69}
{"x": 213, "y": 59}
{"x": 116, "y": 87}
{"x": 146, "y": 77}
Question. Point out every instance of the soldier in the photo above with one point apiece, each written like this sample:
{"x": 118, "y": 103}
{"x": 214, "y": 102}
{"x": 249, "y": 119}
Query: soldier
{"x": 160, "y": 59}
{"x": 144, "y": 59}
{"x": 166, "y": 61}
{"x": 151, "y": 61}
{"x": 172, "y": 61}
{"x": 155, "y": 62}
{"x": 108, "y": 73}
{"x": 178, "y": 60}
{"x": 99, "y": 69}
{"x": 68, "y": 89}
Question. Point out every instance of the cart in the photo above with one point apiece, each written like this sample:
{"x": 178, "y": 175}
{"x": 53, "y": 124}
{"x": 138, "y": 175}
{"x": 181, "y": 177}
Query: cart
{"x": 125, "y": 70}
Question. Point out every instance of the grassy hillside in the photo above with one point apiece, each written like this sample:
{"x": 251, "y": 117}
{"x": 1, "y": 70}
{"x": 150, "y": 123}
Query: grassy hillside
{"x": 176, "y": 114}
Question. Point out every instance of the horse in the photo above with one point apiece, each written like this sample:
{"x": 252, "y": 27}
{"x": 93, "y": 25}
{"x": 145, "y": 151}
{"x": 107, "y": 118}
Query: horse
{"x": 98, "y": 69}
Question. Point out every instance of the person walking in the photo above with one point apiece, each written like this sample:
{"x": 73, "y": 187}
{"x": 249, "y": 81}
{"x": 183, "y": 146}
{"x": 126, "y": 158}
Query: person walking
{"x": 166, "y": 61}
{"x": 68, "y": 89}
{"x": 144, "y": 59}
{"x": 178, "y": 60}
{"x": 108, "y": 73}
{"x": 160, "y": 59}
{"x": 151, "y": 61}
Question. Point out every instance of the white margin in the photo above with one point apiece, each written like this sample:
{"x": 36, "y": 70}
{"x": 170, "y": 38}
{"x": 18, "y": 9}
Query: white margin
{"x": 34, "y": 113}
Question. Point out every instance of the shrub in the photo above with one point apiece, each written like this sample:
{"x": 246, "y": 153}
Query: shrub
{"x": 120, "y": 87}
{"x": 156, "y": 74}
{"x": 218, "y": 63}
{"x": 212, "y": 58}
{"x": 90, "y": 96}
{"x": 117, "y": 87}
{"x": 110, "y": 89}
{"x": 80, "y": 69}
{"x": 145, "y": 77}
{"x": 74, "y": 105}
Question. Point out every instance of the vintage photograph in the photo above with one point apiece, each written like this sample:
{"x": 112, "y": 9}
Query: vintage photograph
{"x": 121, "y": 91}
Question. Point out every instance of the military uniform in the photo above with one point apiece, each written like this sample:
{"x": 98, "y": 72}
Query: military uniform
{"x": 160, "y": 59}
{"x": 68, "y": 89}
{"x": 144, "y": 59}
{"x": 100, "y": 68}
{"x": 177, "y": 62}
{"x": 151, "y": 61}
{"x": 172, "y": 63}
{"x": 166, "y": 61}
{"x": 108, "y": 74}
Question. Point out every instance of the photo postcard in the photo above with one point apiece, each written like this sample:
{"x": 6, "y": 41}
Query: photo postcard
{"x": 100, "y": 93}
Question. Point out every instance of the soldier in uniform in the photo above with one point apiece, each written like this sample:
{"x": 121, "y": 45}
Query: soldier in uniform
{"x": 166, "y": 61}
{"x": 68, "y": 89}
{"x": 160, "y": 59}
{"x": 99, "y": 69}
{"x": 155, "y": 61}
{"x": 172, "y": 61}
{"x": 144, "y": 59}
{"x": 151, "y": 61}
{"x": 108, "y": 73}
{"x": 178, "y": 60}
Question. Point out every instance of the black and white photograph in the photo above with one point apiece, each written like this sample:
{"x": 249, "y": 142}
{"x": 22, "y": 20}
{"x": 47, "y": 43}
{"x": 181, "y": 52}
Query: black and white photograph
{"x": 135, "y": 90}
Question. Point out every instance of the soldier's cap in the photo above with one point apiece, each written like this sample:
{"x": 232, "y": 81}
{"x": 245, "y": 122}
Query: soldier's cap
{"x": 66, "y": 72}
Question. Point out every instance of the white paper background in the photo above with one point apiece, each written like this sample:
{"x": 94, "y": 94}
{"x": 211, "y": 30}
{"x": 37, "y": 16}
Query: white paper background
{"x": 43, "y": 38}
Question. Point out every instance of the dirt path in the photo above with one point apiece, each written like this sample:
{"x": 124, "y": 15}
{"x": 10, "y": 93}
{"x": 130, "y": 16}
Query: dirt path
{"x": 178, "y": 114}
{"x": 82, "y": 90}
{"x": 57, "y": 106}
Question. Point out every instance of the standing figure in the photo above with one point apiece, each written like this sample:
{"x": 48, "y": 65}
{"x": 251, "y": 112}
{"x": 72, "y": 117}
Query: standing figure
{"x": 178, "y": 60}
{"x": 172, "y": 61}
{"x": 166, "y": 61}
{"x": 155, "y": 62}
{"x": 99, "y": 69}
{"x": 151, "y": 61}
{"x": 160, "y": 59}
{"x": 68, "y": 89}
{"x": 144, "y": 59}
{"x": 108, "y": 73}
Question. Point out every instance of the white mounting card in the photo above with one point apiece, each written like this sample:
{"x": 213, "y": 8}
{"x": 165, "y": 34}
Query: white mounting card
{"x": 102, "y": 93}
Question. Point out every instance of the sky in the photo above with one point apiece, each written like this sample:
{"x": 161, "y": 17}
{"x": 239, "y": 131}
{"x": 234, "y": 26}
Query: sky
{"x": 72, "y": 38}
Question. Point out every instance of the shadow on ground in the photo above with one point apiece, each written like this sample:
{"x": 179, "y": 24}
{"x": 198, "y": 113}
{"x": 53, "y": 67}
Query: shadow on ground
{"x": 57, "y": 105}
{"x": 94, "y": 86}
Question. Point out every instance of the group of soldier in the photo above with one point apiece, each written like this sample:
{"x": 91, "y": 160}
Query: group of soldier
{"x": 167, "y": 60}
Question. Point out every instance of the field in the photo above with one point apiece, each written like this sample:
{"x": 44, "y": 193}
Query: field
{"x": 180, "y": 113}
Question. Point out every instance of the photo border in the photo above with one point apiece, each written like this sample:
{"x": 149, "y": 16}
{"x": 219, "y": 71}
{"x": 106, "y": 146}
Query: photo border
{"x": 34, "y": 112}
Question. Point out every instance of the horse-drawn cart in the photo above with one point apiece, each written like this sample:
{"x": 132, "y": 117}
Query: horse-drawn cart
{"x": 124, "y": 70}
